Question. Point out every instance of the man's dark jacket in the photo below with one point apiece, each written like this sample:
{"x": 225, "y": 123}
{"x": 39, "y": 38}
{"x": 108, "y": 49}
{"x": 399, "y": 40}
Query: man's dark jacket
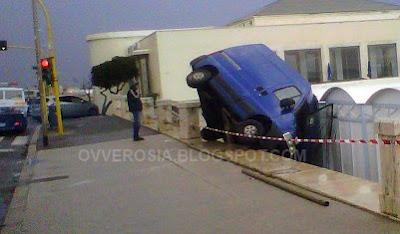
{"x": 134, "y": 103}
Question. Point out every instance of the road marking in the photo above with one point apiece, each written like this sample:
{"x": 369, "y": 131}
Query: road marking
{"x": 6, "y": 150}
{"x": 20, "y": 140}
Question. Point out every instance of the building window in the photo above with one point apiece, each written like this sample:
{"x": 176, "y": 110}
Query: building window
{"x": 382, "y": 61}
{"x": 307, "y": 62}
{"x": 345, "y": 63}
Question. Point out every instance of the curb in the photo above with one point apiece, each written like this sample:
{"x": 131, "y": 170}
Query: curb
{"x": 15, "y": 215}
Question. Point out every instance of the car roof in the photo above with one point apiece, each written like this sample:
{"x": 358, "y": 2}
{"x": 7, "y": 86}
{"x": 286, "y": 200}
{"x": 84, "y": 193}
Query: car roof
{"x": 11, "y": 89}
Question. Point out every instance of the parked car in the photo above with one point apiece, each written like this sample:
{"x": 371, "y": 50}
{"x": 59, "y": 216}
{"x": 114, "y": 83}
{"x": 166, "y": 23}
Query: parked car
{"x": 71, "y": 107}
{"x": 249, "y": 89}
{"x": 13, "y": 110}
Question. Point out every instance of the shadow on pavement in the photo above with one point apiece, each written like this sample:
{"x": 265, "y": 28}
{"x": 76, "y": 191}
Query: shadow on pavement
{"x": 91, "y": 130}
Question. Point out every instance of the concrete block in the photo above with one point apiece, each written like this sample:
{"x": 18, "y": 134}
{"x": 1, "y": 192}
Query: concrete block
{"x": 148, "y": 110}
{"x": 189, "y": 126}
{"x": 163, "y": 111}
{"x": 390, "y": 167}
{"x": 390, "y": 205}
{"x": 387, "y": 127}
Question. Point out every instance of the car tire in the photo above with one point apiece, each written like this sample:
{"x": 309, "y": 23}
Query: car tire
{"x": 250, "y": 127}
{"x": 198, "y": 78}
{"x": 209, "y": 135}
{"x": 93, "y": 112}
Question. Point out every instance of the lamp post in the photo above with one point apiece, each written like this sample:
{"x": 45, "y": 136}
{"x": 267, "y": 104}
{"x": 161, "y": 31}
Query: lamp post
{"x": 52, "y": 56}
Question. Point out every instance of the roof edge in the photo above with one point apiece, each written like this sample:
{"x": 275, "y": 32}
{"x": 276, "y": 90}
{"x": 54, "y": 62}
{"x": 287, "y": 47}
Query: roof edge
{"x": 120, "y": 34}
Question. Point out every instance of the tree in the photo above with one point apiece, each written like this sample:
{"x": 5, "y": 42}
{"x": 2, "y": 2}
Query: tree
{"x": 112, "y": 76}
{"x": 87, "y": 87}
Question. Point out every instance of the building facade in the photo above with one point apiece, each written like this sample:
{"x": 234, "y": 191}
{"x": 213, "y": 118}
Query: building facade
{"x": 326, "y": 41}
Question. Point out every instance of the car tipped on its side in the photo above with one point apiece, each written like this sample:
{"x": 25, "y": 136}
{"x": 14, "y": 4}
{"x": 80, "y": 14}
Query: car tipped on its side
{"x": 250, "y": 90}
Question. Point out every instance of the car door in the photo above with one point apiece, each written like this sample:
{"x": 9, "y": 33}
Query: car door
{"x": 78, "y": 107}
{"x": 67, "y": 106}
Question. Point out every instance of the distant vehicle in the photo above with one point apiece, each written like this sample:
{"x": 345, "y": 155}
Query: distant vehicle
{"x": 249, "y": 89}
{"x": 71, "y": 107}
{"x": 13, "y": 109}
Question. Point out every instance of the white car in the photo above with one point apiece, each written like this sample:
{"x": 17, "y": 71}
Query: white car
{"x": 13, "y": 109}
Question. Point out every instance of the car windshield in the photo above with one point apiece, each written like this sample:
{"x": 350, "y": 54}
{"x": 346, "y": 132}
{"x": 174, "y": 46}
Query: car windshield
{"x": 289, "y": 92}
{"x": 13, "y": 94}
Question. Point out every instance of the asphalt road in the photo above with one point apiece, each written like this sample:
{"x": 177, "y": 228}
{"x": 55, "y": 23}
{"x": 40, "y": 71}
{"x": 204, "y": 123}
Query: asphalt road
{"x": 13, "y": 148}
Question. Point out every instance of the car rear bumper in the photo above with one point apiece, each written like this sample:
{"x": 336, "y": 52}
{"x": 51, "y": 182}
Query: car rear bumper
{"x": 12, "y": 122}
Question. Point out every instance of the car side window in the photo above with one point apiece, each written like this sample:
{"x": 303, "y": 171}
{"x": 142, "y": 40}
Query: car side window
{"x": 65, "y": 99}
{"x": 76, "y": 100}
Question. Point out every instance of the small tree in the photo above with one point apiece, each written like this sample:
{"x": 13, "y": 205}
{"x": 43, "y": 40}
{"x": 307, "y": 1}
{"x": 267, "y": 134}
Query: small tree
{"x": 112, "y": 76}
{"x": 87, "y": 87}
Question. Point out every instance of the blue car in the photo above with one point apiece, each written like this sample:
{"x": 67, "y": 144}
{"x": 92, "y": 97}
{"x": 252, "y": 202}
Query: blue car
{"x": 249, "y": 89}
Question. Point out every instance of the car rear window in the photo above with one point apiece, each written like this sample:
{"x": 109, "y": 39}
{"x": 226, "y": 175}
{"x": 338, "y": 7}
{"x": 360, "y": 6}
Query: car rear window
{"x": 13, "y": 94}
{"x": 289, "y": 92}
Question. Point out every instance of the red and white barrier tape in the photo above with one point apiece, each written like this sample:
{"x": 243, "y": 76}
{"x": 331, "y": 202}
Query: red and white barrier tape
{"x": 318, "y": 141}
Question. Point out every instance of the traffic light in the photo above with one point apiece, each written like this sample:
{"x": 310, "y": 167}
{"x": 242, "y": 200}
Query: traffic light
{"x": 46, "y": 66}
{"x": 3, "y": 45}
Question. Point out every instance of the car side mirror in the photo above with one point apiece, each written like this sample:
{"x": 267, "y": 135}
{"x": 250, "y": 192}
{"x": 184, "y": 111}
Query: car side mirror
{"x": 287, "y": 103}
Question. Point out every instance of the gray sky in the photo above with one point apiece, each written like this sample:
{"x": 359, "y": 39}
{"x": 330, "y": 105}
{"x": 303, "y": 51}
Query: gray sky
{"x": 74, "y": 19}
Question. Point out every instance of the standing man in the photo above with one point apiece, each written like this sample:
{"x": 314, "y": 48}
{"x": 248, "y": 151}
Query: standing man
{"x": 135, "y": 107}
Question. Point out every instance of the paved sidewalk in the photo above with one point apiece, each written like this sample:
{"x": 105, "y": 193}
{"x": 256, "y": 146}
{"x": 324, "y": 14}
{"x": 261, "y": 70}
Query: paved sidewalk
{"x": 107, "y": 193}
{"x": 93, "y": 129}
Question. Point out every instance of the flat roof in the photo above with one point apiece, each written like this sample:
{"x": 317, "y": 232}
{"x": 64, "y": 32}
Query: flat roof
{"x": 121, "y": 34}
{"x": 140, "y": 33}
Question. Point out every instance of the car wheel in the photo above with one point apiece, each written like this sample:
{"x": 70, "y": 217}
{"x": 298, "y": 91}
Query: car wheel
{"x": 209, "y": 135}
{"x": 253, "y": 128}
{"x": 93, "y": 112}
{"x": 198, "y": 78}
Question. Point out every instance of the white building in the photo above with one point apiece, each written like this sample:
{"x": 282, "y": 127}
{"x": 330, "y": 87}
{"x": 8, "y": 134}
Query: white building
{"x": 354, "y": 39}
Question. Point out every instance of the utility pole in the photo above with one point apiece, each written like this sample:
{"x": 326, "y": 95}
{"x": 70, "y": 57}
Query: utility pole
{"x": 43, "y": 102}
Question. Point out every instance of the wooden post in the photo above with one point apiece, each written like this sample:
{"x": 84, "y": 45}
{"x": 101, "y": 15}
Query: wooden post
{"x": 390, "y": 167}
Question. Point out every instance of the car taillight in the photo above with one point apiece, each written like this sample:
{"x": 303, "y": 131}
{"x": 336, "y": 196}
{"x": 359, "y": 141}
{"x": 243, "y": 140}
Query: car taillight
{"x": 17, "y": 123}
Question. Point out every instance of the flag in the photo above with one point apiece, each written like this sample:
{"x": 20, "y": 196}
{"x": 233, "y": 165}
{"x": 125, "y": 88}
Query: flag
{"x": 369, "y": 70}
{"x": 329, "y": 72}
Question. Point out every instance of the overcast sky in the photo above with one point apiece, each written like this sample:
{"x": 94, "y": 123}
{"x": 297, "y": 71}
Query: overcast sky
{"x": 75, "y": 19}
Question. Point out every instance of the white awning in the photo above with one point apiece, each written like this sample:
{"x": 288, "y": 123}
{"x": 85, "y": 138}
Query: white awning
{"x": 360, "y": 92}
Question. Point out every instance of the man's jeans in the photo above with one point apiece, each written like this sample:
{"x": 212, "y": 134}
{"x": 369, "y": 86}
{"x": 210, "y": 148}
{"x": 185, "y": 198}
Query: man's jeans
{"x": 136, "y": 124}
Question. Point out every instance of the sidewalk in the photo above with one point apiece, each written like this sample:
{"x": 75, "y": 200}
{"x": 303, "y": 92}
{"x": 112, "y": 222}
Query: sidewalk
{"x": 160, "y": 191}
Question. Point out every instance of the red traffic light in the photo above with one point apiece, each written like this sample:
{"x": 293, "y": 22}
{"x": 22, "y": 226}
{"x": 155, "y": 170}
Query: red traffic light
{"x": 44, "y": 63}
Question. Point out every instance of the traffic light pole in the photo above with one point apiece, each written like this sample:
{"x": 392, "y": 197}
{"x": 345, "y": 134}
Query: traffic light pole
{"x": 43, "y": 103}
{"x": 52, "y": 55}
